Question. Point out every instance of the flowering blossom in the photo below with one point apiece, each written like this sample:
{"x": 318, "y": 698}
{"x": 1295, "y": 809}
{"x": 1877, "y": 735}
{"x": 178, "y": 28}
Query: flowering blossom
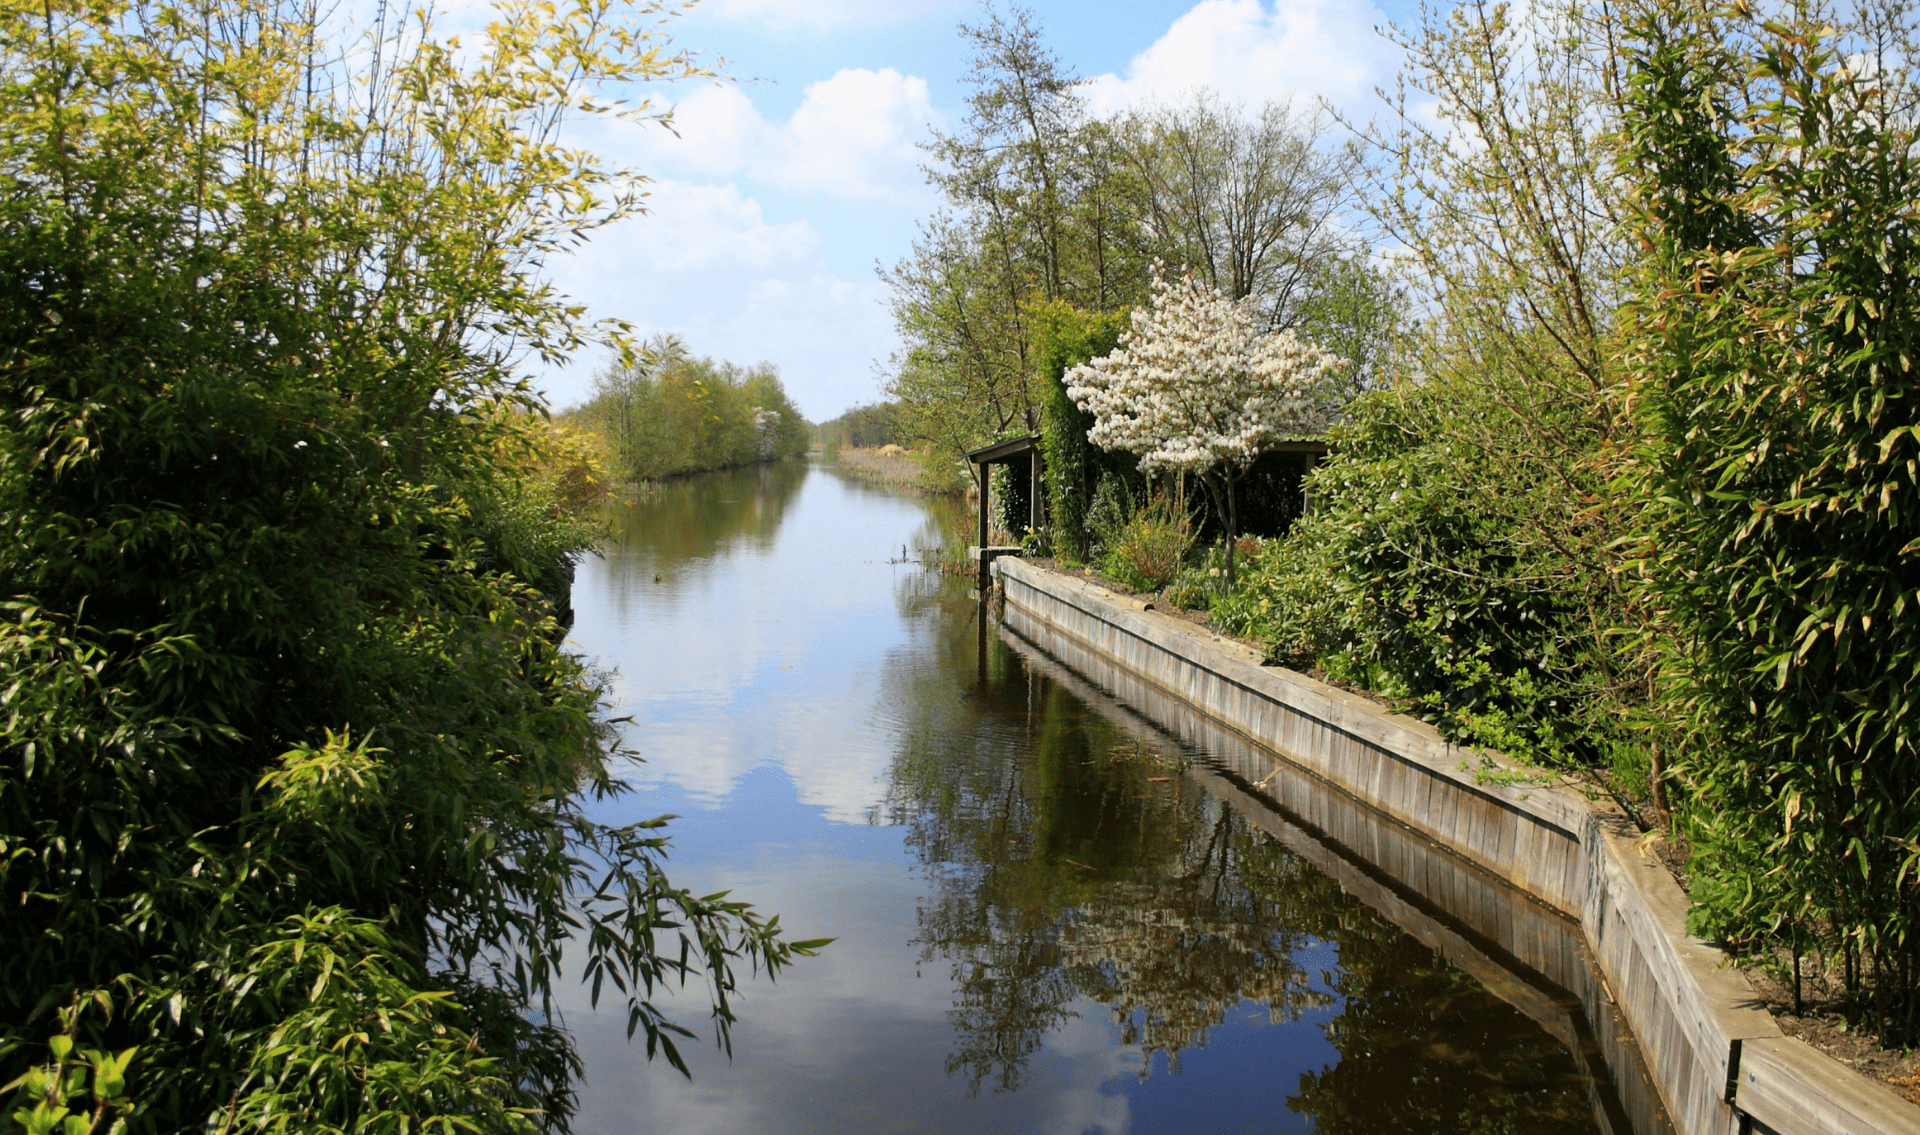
{"x": 1196, "y": 383}
{"x": 766, "y": 425}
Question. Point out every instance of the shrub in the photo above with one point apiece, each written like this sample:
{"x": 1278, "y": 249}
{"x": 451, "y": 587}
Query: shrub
{"x": 1192, "y": 590}
{"x": 1147, "y": 552}
{"x": 1420, "y": 572}
{"x": 1065, "y": 337}
{"x": 292, "y": 809}
{"x": 1287, "y": 596}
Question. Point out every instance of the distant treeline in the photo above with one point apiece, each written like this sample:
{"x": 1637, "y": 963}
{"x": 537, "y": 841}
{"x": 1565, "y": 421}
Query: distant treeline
{"x": 865, "y": 427}
{"x": 670, "y": 413}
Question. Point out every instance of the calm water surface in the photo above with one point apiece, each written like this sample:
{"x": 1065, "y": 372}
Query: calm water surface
{"x": 1043, "y": 926}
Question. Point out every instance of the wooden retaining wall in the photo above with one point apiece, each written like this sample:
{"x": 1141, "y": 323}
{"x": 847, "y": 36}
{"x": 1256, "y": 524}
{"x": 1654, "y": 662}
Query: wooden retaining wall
{"x": 1526, "y": 953}
{"x": 1717, "y": 1060}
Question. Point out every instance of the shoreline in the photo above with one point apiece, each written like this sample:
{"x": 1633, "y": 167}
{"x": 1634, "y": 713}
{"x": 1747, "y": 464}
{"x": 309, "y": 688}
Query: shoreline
{"x": 1716, "y": 1055}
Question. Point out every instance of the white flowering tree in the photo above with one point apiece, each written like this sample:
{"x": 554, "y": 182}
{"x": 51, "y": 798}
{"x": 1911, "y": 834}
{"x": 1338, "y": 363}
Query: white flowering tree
{"x": 1196, "y": 386}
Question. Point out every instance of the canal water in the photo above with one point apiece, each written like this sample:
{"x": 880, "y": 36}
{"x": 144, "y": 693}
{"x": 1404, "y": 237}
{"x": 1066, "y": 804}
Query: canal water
{"x": 1047, "y": 918}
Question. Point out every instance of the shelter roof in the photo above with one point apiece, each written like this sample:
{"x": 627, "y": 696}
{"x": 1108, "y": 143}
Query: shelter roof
{"x": 999, "y": 451}
{"x": 1018, "y": 449}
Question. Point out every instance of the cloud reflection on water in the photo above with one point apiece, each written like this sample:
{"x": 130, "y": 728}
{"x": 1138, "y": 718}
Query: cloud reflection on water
{"x": 757, "y": 643}
{"x": 1037, "y": 922}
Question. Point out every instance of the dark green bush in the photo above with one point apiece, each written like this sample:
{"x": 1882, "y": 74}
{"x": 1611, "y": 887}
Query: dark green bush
{"x": 1064, "y": 337}
{"x": 1416, "y": 575}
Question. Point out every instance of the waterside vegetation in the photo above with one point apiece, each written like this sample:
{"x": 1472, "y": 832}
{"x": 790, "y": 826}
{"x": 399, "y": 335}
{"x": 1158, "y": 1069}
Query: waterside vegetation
{"x": 664, "y": 412}
{"x": 292, "y": 832}
{"x": 898, "y": 468}
{"x": 1631, "y": 497}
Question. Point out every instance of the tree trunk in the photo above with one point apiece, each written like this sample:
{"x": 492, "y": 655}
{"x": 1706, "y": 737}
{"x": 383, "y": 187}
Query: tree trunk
{"x": 1220, "y": 488}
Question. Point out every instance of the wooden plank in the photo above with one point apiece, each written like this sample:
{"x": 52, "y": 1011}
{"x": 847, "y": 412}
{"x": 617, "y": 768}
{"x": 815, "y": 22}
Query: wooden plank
{"x": 1405, "y": 737}
{"x": 1795, "y": 1089}
{"x": 1681, "y": 1000}
{"x": 1352, "y": 835}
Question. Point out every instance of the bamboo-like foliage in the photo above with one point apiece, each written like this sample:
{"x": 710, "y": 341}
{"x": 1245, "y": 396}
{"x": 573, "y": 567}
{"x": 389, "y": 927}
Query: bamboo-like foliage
{"x": 289, "y": 826}
{"x": 1773, "y": 340}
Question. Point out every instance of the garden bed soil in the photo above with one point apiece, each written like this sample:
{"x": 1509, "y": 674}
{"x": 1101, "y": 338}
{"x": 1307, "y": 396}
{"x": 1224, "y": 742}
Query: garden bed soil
{"x": 1821, "y": 1022}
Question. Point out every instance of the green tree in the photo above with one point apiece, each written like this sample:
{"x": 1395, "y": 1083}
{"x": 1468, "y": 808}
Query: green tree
{"x": 963, "y": 377}
{"x": 1007, "y": 164}
{"x": 864, "y": 427}
{"x": 1007, "y": 241}
{"x": 291, "y": 806}
{"x": 1249, "y": 205}
{"x": 664, "y": 413}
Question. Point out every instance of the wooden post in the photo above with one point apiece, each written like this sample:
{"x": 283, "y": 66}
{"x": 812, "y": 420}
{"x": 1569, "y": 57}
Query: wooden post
{"x": 1033, "y": 491}
{"x": 986, "y": 486}
{"x": 986, "y": 481}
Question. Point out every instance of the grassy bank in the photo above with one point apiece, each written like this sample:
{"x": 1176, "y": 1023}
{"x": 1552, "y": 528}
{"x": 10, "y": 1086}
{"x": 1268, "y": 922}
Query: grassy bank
{"x": 892, "y": 467}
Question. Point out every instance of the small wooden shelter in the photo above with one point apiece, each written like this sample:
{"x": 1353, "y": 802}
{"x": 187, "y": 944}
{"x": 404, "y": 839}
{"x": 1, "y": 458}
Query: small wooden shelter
{"x": 1309, "y": 452}
{"x": 1024, "y": 453}
{"x": 1017, "y": 452}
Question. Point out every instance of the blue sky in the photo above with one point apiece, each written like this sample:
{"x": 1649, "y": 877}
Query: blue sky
{"x": 784, "y": 189}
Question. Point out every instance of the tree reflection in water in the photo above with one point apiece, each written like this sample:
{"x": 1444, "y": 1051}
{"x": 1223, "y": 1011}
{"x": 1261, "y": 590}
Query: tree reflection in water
{"x": 1069, "y": 862}
{"x": 1424, "y": 1047}
{"x": 692, "y": 518}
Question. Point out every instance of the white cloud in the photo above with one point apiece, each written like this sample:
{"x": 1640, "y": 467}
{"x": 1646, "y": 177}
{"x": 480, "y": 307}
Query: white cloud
{"x": 716, "y": 133}
{"x": 694, "y": 227}
{"x": 1247, "y": 52}
{"x": 826, "y": 13}
{"x": 707, "y": 264}
{"x": 852, "y": 138}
